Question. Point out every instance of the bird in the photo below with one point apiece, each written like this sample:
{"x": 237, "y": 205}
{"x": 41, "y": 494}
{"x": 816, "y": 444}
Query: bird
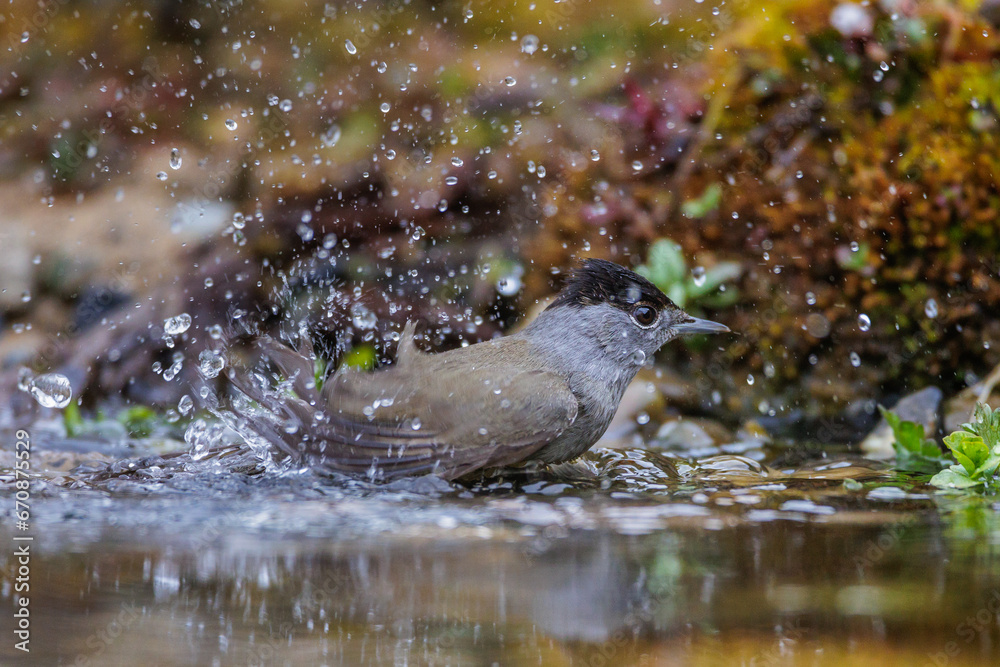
{"x": 546, "y": 393}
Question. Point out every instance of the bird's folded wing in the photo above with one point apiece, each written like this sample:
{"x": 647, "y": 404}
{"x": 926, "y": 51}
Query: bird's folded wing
{"x": 404, "y": 422}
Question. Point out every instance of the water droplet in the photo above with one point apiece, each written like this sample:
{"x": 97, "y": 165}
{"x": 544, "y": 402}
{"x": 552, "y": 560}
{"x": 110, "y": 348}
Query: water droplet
{"x": 529, "y": 44}
{"x": 230, "y": 124}
{"x": 457, "y": 161}
{"x": 362, "y": 317}
{"x": 185, "y": 405}
{"x": 331, "y": 136}
{"x": 239, "y": 221}
{"x": 285, "y": 105}
{"x": 195, "y": 23}
{"x": 931, "y": 308}
{"x": 698, "y": 275}
{"x": 637, "y": 166}
{"x": 510, "y": 285}
{"x": 864, "y": 322}
{"x": 642, "y": 418}
{"x": 855, "y": 359}
{"x": 509, "y": 81}
{"x": 175, "y": 158}
{"x": 174, "y": 326}
{"x": 161, "y": 175}
{"x": 201, "y": 437}
{"x": 349, "y": 45}
{"x": 810, "y": 298}
{"x": 595, "y": 155}
{"x": 750, "y": 379}
{"x": 385, "y": 106}
{"x": 211, "y": 363}
{"x": 51, "y": 390}
{"x": 415, "y": 424}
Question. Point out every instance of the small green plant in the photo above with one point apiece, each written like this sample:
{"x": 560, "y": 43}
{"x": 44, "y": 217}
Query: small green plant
{"x": 139, "y": 420}
{"x": 977, "y": 449}
{"x": 666, "y": 268}
{"x": 914, "y": 452}
{"x": 703, "y": 205}
{"x": 136, "y": 421}
{"x": 363, "y": 357}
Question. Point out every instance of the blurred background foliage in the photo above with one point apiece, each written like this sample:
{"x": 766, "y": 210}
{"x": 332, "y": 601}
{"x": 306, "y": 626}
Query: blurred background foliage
{"x": 350, "y": 166}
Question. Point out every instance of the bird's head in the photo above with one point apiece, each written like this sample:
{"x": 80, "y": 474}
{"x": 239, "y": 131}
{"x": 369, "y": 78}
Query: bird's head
{"x": 630, "y": 315}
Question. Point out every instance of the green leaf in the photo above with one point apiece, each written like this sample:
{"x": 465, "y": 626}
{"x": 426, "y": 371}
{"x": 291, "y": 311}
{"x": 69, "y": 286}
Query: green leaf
{"x": 914, "y": 452}
{"x": 362, "y": 357}
{"x": 319, "y": 372}
{"x": 677, "y": 294}
{"x": 985, "y": 424}
{"x": 72, "y": 419}
{"x": 665, "y": 265}
{"x": 954, "y": 477}
{"x": 857, "y": 260}
{"x": 703, "y": 205}
{"x": 138, "y": 420}
{"x": 988, "y": 468}
{"x": 714, "y": 278}
{"x": 968, "y": 448}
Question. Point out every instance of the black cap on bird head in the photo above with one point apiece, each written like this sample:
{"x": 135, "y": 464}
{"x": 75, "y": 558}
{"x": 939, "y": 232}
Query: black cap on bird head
{"x": 600, "y": 281}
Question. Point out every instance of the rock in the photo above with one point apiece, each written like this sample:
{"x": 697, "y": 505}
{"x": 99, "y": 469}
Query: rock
{"x": 687, "y": 434}
{"x": 958, "y": 409}
{"x": 922, "y": 407}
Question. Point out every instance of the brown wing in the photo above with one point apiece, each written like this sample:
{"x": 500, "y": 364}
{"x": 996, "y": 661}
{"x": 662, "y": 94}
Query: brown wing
{"x": 444, "y": 413}
{"x": 440, "y": 417}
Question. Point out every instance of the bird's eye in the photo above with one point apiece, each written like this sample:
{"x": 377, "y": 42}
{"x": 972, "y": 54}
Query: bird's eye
{"x": 644, "y": 315}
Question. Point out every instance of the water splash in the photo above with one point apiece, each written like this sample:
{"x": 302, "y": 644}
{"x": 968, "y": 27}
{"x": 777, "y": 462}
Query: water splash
{"x": 51, "y": 390}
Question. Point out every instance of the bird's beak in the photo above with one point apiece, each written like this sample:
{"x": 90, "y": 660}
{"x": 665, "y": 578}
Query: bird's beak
{"x": 693, "y": 325}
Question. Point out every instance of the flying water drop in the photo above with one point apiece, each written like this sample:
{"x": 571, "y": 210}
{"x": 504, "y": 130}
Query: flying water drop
{"x": 174, "y": 326}
{"x": 210, "y": 363}
{"x": 931, "y": 308}
{"x": 51, "y": 390}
